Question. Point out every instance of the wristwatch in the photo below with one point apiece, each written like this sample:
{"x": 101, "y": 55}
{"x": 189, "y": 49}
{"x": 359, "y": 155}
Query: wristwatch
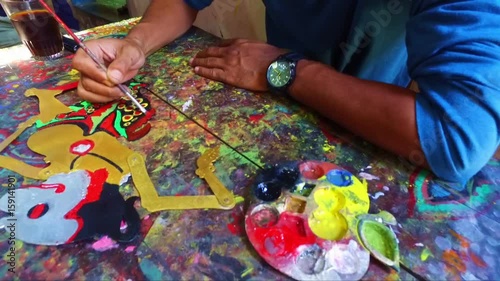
{"x": 281, "y": 72}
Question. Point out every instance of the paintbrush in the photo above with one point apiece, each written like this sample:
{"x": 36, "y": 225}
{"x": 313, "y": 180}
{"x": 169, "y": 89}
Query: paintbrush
{"x": 123, "y": 88}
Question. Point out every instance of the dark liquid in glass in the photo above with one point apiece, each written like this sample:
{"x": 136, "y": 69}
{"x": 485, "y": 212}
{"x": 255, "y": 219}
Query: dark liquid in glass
{"x": 39, "y": 31}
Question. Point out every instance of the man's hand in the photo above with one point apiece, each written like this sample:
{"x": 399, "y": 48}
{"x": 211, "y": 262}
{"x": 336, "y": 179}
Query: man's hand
{"x": 241, "y": 63}
{"x": 123, "y": 58}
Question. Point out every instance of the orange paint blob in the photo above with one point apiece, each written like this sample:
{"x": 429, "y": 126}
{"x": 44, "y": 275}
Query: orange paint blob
{"x": 453, "y": 262}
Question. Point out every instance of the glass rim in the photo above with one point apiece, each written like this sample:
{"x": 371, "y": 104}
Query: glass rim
{"x": 18, "y": 1}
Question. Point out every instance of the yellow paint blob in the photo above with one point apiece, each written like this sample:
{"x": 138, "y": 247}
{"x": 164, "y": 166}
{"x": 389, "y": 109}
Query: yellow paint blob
{"x": 333, "y": 210}
{"x": 326, "y": 221}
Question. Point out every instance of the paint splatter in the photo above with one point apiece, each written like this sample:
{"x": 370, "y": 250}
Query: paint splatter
{"x": 187, "y": 104}
{"x": 426, "y": 253}
{"x": 104, "y": 244}
{"x": 130, "y": 249}
{"x": 368, "y": 177}
{"x": 377, "y": 195}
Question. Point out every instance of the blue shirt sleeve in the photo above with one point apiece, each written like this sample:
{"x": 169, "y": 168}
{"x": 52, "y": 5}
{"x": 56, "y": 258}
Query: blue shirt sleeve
{"x": 454, "y": 56}
{"x": 198, "y": 4}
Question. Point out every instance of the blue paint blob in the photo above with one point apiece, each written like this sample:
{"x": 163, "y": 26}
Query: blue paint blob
{"x": 339, "y": 178}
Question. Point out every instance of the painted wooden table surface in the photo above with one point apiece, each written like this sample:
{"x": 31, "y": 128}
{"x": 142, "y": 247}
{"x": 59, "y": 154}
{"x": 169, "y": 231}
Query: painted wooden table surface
{"x": 444, "y": 231}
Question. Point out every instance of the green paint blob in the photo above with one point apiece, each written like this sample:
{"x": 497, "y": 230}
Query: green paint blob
{"x": 381, "y": 241}
{"x": 377, "y": 237}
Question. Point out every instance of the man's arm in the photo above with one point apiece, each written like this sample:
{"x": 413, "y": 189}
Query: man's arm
{"x": 163, "y": 22}
{"x": 380, "y": 113}
{"x": 453, "y": 122}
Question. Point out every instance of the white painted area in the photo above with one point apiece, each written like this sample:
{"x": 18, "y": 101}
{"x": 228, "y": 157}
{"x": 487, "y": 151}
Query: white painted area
{"x": 124, "y": 179}
{"x": 368, "y": 177}
{"x": 82, "y": 148}
{"x": 187, "y": 104}
{"x": 376, "y": 195}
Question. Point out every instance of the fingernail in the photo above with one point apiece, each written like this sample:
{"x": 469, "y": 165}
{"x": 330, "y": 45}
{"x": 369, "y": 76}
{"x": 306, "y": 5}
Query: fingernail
{"x": 116, "y": 76}
{"x": 196, "y": 69}
{"x": 191, "y": 61}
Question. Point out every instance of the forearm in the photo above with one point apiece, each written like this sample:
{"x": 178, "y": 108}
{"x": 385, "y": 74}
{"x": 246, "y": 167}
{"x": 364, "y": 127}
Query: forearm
{"x": 163, "y": 22}
{"x": 380, "y": 113}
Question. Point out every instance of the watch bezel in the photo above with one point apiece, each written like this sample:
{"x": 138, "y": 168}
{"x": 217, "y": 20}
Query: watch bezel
{"x": 290, "y": 67}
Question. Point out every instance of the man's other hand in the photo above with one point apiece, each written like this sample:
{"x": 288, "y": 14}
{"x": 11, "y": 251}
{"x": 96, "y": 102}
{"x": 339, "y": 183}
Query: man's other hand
{"x": 238, "y": 62}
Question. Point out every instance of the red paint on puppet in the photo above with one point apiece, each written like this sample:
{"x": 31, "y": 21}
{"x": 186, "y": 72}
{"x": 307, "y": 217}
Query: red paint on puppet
{"x": 38, "y": 211}
{"x": 82, "y": 148}
{"x": 97, "y": 180}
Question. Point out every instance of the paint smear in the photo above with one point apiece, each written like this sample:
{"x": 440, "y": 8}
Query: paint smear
{"x": 130, "y": 249}
{"x": 187, "y": 104}
{"x": 426, "y": 253}
{"x": 368, "y": 177}
{"x": 104, "y": 244}
{"x": 377, "y": 195}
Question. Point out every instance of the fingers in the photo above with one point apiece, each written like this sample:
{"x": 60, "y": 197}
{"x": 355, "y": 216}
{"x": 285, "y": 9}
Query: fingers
{"x": 210, "y": 62}
{"x": 91, "y": 96}
{"x": 87, "y": 67}
{"x": 217, "y": 52}
{"x": 211, "y": 73}
{"x": 124, "y": 59}
{"x": 129, "y": 58}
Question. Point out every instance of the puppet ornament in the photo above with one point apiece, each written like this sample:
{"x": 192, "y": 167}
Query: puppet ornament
{"x": 68, "y": 208}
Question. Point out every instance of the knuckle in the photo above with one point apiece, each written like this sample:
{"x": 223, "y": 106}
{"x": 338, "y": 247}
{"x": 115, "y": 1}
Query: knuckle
{"x": 84, "y": 83}
{"x": 232, "y": 60}
{"x": 215, "y": 74}
{"x": 212, "y": 50}
{"x": 210, "y": 61}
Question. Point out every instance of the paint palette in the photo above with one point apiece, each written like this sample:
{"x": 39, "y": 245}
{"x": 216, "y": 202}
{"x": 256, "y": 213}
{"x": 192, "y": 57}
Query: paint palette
{"x": 304, "y": 222}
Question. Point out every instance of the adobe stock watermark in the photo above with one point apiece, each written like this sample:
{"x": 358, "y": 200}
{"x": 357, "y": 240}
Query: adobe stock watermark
{"x": 10, "y": 225}
{"x": 364, "y": 35}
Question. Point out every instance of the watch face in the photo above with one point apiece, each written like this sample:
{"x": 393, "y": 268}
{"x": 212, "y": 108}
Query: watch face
{"x": 278, "y": 73}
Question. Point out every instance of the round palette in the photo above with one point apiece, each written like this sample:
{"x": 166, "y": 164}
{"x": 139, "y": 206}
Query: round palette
{"x": 304, "y": 222}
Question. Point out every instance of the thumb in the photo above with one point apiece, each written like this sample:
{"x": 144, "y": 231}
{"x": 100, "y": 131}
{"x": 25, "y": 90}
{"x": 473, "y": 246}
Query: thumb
{"x": 128, "y": 60}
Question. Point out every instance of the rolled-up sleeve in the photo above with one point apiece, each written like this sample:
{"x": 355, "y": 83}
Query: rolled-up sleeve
{"x": 454, "y": 56}
{"x": 198, "y": 4}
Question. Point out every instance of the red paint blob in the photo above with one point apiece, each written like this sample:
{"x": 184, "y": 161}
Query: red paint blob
{"x": 311, "y": 170}
{"x": 82, "y": 147}
{"x": 38, "y": 211}
{"x": 254, "y": 118}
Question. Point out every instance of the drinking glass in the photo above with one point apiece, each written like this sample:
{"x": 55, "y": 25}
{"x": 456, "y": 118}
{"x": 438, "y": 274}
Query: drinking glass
{"x": 37, "y": 28}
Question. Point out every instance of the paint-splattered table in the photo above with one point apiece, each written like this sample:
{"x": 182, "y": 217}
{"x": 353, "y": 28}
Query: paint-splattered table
{"x": 444, "y": 231}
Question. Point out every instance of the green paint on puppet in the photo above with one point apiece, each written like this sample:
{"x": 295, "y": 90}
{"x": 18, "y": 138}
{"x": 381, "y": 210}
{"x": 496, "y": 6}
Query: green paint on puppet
{"x": 118, "y": 126}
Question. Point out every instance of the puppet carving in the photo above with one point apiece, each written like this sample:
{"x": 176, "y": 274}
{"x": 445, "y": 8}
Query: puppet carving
{"x": 49, "y": 107}
{"x": 86, "y": 140}
{"x": 69, "y": 208}
{"x": 119, "y": 119}
{"x": 68, "y": 149}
